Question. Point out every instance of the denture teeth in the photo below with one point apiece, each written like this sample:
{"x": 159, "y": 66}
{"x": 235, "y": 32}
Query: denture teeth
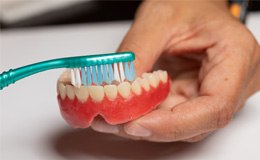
{"x": 146, "y": 75}
{"x": 124, "y": 89}
{"x": 82, "y": 93}
{"x": 144, "y": 83}
{"x": 110, "y": 91}
{"x": 62, "y": 91}
{"x": 70, "y": 92}
{"x": 136, "y": 87}
{"x": 96, "y": 93}
{"x": 153, "y": 80}
{"x": 163, "y": 76}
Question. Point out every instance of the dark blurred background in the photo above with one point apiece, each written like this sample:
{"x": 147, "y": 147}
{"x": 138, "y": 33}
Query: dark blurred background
{"x": 32, "y": 13}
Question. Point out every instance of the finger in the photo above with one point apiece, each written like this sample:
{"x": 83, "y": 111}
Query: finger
{"x": 196, "y": 43}
{"x": 100, "y": 125}
{"x": 146, "y": 38}
{"x": 184, "y": 121}
{"x": 197, "y": 138}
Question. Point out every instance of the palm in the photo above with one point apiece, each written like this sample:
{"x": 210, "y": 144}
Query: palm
{"x": 184, "y": 74}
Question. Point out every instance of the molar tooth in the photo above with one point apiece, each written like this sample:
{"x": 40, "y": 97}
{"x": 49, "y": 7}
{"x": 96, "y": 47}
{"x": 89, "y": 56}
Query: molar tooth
{"x": 136, "y": 87}
{"x": 156, "y": 73}
{"x": 110, "y": 91}
{"x": 146, "y": 75}
{"x": 96, "y": 93}
{"x": 145, "y": 84}
{"x": 82, "y": 94}
{"x": 163, "y": 76}
{"x": 153, "y": 80}
{"x": 124, "y": 89}
{"x": 62, "y": 90}
{"x": 70, "y": 92}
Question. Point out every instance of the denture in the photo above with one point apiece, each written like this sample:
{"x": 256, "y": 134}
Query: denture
{"x": 117, "y": 103}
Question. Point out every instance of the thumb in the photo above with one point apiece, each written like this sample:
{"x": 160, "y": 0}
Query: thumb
{"x": 147, "y": 40}
{"x": 186, "y": 120}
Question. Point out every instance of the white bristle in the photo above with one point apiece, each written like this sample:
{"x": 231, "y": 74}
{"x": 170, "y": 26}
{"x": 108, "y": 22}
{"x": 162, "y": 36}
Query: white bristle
{"x": 72, "y": 77}
{"x": 78, "y": 78}
{"x": 122, "y": 72}
{"x": 116, "y": 73}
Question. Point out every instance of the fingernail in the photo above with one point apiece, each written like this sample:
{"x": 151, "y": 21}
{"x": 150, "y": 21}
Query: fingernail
{"x": 138, "y": 131}
{"x": 104, "y": 128}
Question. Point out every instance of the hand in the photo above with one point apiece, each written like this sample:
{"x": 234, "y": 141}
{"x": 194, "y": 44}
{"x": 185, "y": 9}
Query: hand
{"x": 214, "y": 62}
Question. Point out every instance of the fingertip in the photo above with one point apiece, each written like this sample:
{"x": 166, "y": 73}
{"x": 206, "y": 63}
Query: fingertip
{"x": 102, "y": 126}
{"x": 136, "y": 130}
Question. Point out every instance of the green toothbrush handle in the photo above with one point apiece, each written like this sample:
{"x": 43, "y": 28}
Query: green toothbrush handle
{"x": 13, "y": 75}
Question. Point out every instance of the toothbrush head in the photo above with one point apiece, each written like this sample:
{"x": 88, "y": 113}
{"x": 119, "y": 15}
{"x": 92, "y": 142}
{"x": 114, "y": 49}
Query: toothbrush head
{"x": 104, "y": 69}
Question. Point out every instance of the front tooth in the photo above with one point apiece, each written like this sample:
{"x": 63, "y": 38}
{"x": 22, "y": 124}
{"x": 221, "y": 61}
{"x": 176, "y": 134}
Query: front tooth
{"x": 110, "y": 91}
{"x": 145, "y": 84}
{"x": 62, "y": 90}
{"x": 124, "y": 89}
{"x": 153, "y": 80}
{"x": 136, "y": 87}
{"x": 163, "y": 76}
{"x": 96, "y": 93}
{"x": 82, "y": 94}
{"x": 70, "y": 92}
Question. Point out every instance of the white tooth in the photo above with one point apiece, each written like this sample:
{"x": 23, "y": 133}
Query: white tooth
{"x": 157, "y": 73}
{"x": 110, "y": 91}
{"x": 145, "y": 84}
{"x": 163, "y": 76}
{"x": 82, "y": 94}
{"x": 138, "y": 79}
{"x": 96, "y": 93}
{"x": 136, "y": 87}
{"x": 146, "y": 75}
{"x": 62, "y": 90}
{"x": 124, "y": 89}
{"x": 153, "y": 80}
{"x": 70, "y": 92}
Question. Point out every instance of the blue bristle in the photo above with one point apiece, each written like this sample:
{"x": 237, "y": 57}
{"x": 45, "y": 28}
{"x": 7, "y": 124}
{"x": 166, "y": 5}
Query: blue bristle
{"x": 105, "y": 75}
{"x": 126, "y": 69}
{"x": 132, "y": 71}
{"x": 100, "y": 78}
{"x": 110, "y": 73}
{"x": 83, "y": 76}
{"x": 94, "y": 75}
{"x": 89, "y": 82}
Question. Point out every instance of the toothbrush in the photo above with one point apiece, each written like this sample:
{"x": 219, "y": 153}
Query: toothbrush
{"x": 85, "y": 70}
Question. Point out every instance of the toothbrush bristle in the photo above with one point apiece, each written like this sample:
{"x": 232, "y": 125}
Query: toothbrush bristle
{"x": 94, "y": 74}
{"x": 89, "y": 82}
{"x": 100, "y": 74}
{"x": 121, "y": 70}
{"x": 73, "y": 81}
{"x": 77, "y": 77}
{"x": 110, "y": 73}
{"x": 105, "y": 74}
{"x": 116, "y": 73}
{"x": 84, "y": 76}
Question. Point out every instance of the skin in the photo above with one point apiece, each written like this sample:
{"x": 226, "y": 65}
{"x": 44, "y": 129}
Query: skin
{"x": 214, "y": 62}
